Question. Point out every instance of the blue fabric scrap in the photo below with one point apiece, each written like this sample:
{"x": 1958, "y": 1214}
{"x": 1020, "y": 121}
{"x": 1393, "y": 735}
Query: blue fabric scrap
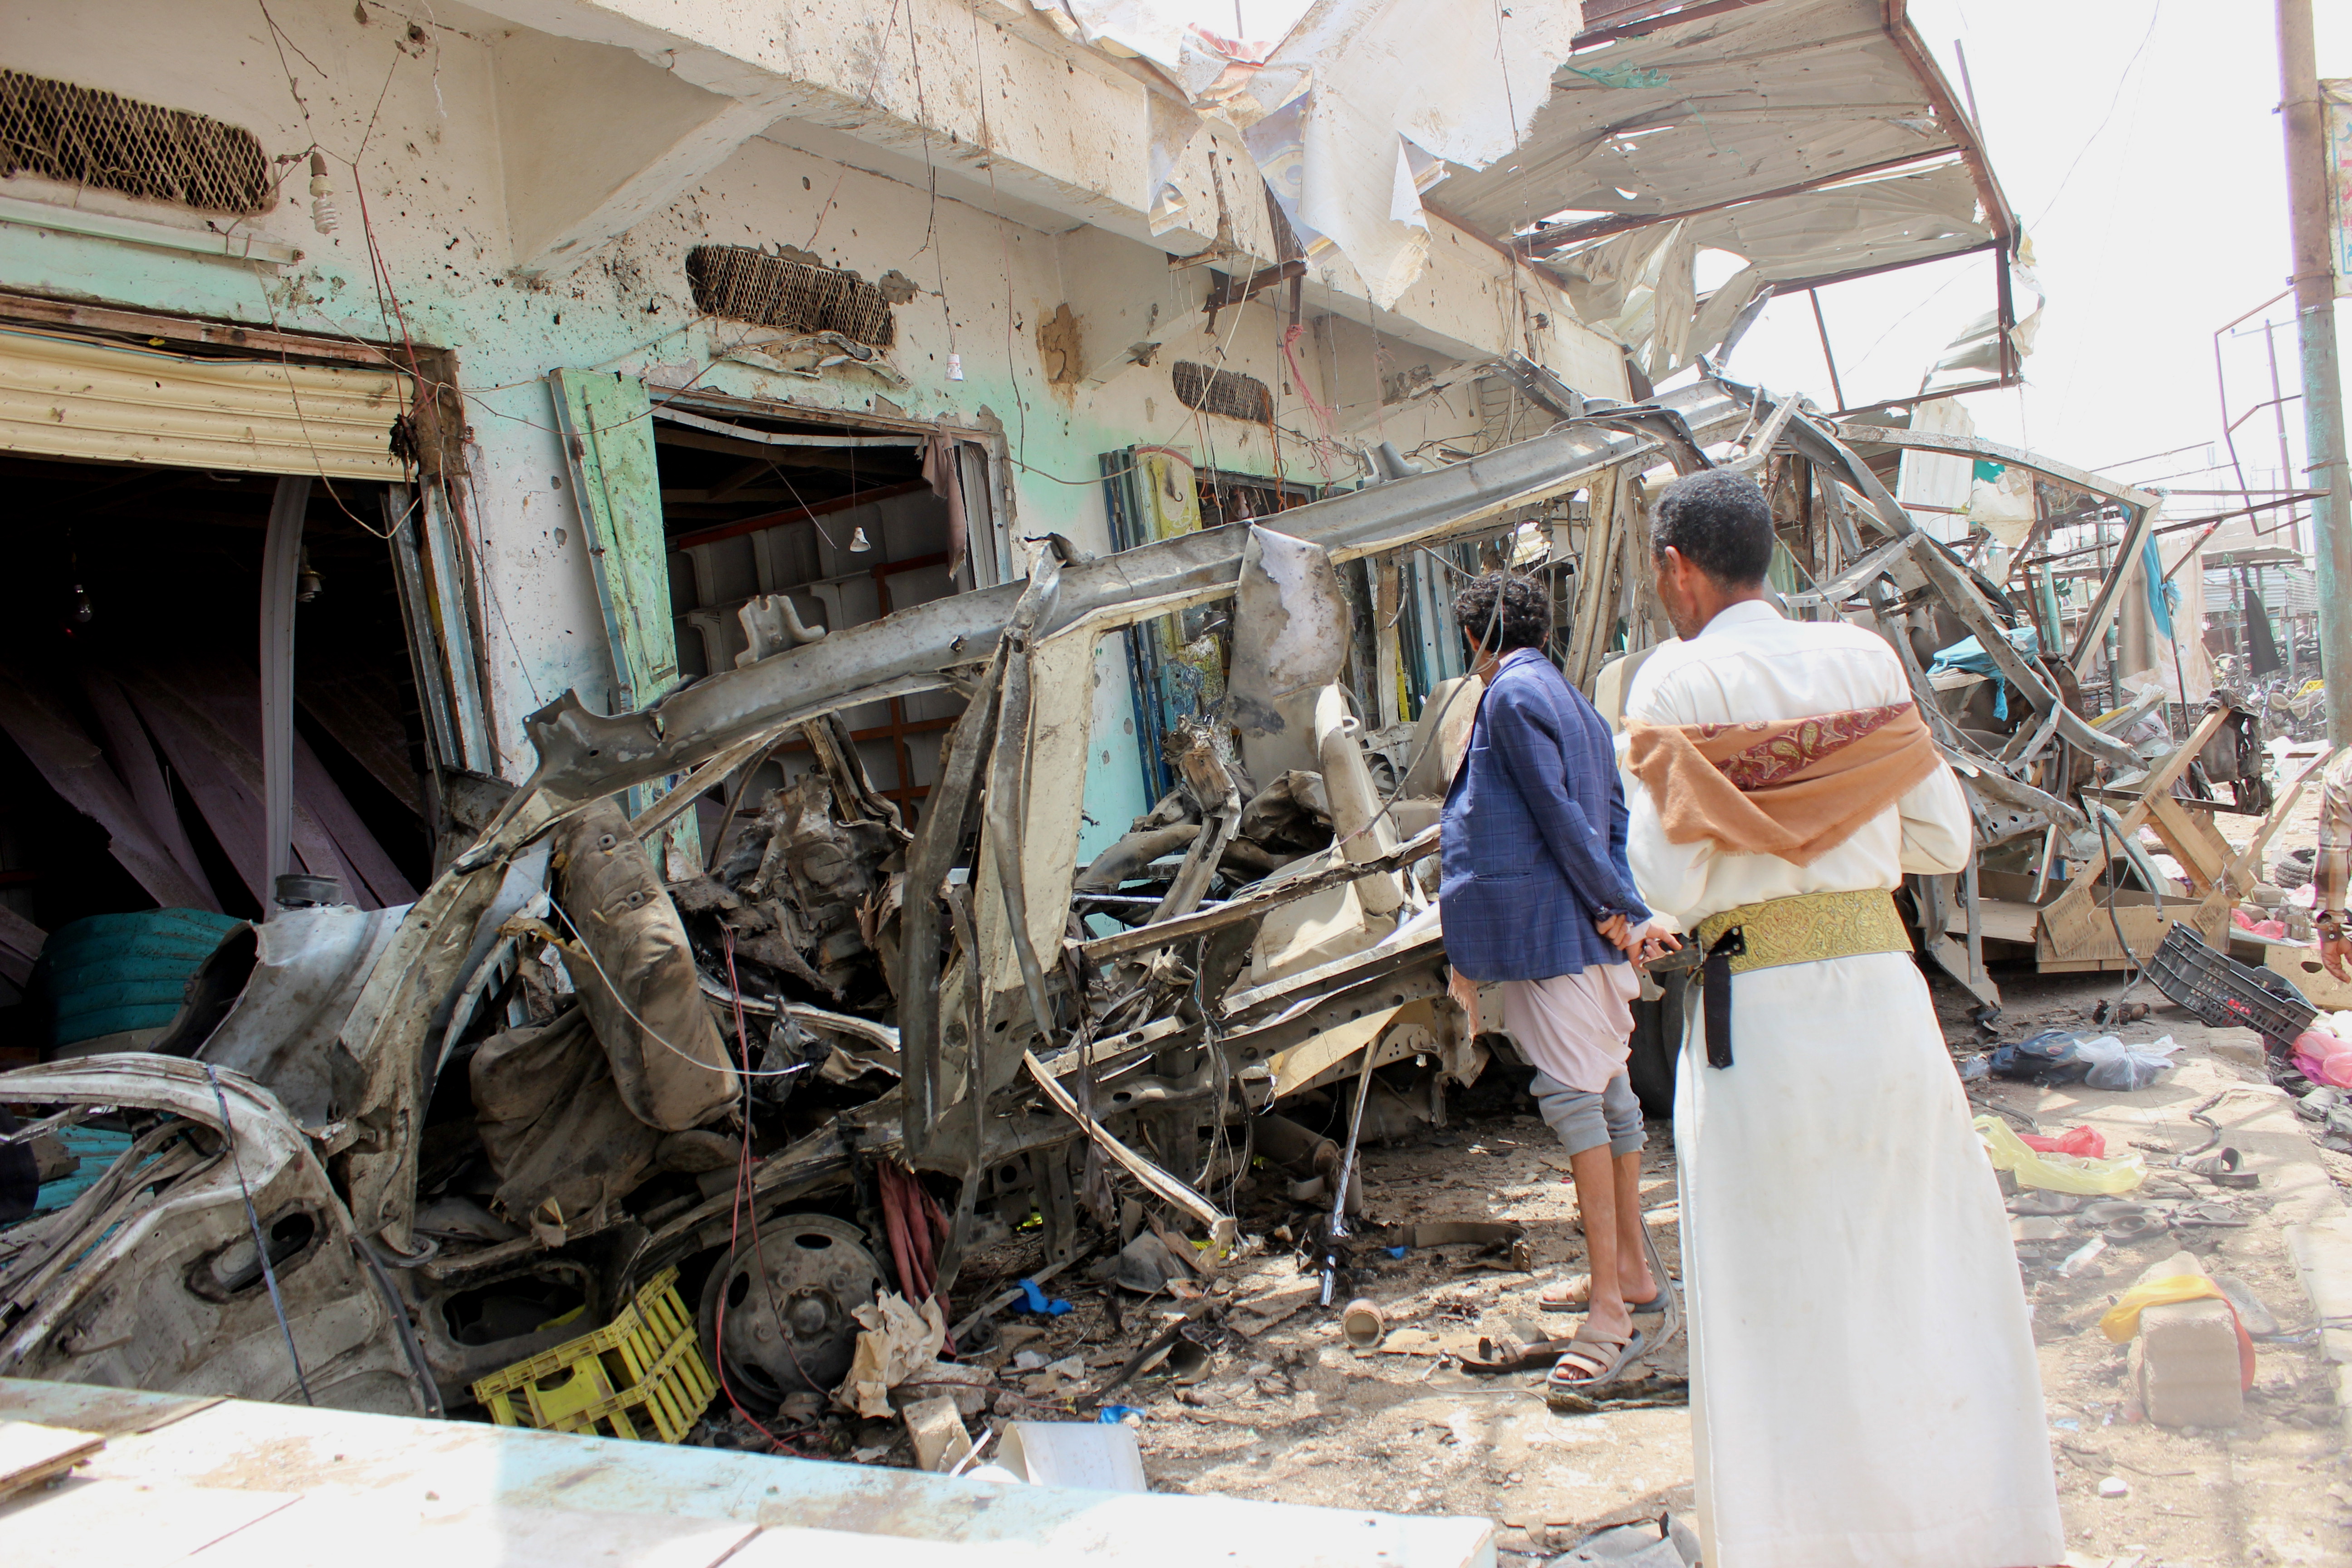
{"x": 1036, "y": 1300}
{"x": 1968, "y": 656}
{"x": 2161, "y": 595}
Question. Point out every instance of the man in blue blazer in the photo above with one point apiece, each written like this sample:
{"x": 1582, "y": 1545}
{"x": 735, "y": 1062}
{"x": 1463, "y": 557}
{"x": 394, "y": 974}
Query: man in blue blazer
{"x": 1537, "y": 896}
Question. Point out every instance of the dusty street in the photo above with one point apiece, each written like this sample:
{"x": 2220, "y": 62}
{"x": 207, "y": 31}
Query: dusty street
{"x": 1286, "y": 1411}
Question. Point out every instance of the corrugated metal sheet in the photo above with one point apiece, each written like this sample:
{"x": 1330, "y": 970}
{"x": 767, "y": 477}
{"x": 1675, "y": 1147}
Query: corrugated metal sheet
{"x": 2283, "y": 590}
{"x": 74, "y": 398}
{"x": 1699, "y": 113}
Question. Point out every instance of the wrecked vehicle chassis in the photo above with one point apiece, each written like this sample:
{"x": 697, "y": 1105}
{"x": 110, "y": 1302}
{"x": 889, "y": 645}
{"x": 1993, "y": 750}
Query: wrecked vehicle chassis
{"x": 1018, "y": 1090}
{"x": 989, "y": 953}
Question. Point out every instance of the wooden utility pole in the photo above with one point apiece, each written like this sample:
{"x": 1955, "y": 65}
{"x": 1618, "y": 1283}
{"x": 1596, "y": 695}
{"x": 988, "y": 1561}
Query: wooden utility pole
{"x": 2305, "y": 123}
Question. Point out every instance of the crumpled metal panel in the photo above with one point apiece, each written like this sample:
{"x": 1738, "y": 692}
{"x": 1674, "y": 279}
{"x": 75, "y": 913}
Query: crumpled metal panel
{"x": 1699, "y": 113}
{"x": 1290, "y": 626}
{"x": 1906, "y": 218}
{"x": 159, "y": 1298}
{"x": 281, "y": 1030}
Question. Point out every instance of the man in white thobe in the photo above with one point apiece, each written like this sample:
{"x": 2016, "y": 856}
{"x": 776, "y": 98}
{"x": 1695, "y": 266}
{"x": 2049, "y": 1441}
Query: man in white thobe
{"x": 1863, "y": 1388}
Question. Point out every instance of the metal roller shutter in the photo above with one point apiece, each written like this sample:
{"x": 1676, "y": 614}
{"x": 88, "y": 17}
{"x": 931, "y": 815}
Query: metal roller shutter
{"x": 71, "y": 397}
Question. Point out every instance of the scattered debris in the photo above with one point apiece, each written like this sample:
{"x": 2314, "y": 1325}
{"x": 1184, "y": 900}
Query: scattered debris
{"x": 897, "y": 1343}
{"x": 2191, "y": 1360}
{"x": 850, "y": 1070}
{"x": 936, "y": 1429}
{"x": 1092, "y": 1456}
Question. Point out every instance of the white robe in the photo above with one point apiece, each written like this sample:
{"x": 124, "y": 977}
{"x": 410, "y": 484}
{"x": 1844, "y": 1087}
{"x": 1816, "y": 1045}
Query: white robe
{"x": 1863, "y": 1389}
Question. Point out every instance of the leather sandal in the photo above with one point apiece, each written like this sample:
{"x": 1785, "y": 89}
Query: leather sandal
{"x": 1593, "y": 1361}
{"x": 1507, "y": 1352}
{"x": 2220, "y": 1162}
{"x": 2135, "y": 1227}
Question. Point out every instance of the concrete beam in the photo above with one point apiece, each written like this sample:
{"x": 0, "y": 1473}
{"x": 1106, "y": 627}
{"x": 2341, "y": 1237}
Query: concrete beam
{"x": 593, "y": 140}
{"x": 1004, "y": 113}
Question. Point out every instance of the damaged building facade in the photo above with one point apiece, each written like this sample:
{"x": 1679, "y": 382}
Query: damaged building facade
{"x": 644, "y": 622}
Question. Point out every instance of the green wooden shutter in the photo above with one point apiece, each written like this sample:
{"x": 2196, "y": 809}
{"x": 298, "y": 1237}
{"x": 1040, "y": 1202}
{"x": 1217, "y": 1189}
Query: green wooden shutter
{"x": 606, "y": 422}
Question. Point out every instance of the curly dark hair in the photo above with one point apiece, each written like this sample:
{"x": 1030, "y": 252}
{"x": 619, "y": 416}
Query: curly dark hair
{"x": 1719, "y": 521}
{"x": 1525, "y": 611}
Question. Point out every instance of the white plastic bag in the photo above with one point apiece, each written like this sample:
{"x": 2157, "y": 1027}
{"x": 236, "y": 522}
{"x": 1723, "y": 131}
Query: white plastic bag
{"x": 2114, "y": 1065}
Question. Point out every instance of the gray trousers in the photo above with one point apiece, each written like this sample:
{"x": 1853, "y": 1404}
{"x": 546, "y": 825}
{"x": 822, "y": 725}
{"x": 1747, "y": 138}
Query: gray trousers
{"x": 1586, "y": 1121}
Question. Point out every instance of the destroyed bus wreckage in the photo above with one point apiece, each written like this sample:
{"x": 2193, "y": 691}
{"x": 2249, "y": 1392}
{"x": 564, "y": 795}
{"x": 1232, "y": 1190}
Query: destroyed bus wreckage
{"x": 380, "y": 1156}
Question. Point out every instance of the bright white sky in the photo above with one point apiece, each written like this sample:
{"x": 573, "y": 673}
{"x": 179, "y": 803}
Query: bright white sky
{"x": 2140, "y": 142}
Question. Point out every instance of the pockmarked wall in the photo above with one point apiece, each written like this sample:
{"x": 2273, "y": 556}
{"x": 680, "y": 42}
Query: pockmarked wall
{"x": 461, "y": 147}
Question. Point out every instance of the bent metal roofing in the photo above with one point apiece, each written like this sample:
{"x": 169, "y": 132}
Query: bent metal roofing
{"x": 1816, "y": 138}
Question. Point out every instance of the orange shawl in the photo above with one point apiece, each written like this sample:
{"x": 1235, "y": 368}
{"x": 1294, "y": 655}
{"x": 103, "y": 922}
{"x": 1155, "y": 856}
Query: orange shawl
{"x": 1796, "y": 788}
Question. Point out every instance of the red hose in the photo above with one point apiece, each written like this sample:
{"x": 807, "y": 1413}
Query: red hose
{"x": 916, "y": 1225}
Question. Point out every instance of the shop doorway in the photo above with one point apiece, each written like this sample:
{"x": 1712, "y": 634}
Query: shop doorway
{"x": 132, "y": 764}
{"x": 849, "y": 522}
{"x": 133, "y": 807}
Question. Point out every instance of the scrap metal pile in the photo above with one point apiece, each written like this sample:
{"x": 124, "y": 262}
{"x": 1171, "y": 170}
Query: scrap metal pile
{"x": 382, "y": 1156}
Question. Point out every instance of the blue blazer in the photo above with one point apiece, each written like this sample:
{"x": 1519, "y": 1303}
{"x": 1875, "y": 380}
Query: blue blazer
{"x": 1534, "y": 844}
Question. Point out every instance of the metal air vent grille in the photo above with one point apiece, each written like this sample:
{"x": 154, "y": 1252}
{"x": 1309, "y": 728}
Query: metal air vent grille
{"x": 747, "y": 285}
{"x": 1224, "y": 392}
{"x": 85, "y": 137}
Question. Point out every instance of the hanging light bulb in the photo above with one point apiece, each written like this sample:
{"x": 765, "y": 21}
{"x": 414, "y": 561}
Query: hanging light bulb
{"x": 858, "y": 543}
{"x": 323, "y": 216}
{"x": 955, "y": 367}
{"x": 308, "y": 584}
{"x": 79, "y": 609}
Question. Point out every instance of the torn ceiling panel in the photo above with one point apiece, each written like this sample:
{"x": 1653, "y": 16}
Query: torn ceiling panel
{"x": 1352, "y": 108}
{"x": 1896, "y": 219}
{"x": 1812, "y": 139}
{"x": 1697, "y": 116}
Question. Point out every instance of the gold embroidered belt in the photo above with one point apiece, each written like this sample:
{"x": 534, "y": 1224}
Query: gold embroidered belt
{"x": 1805, "y": 928}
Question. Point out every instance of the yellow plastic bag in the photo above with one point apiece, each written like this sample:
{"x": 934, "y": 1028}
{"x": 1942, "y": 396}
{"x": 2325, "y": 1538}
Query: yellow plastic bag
{"x": 2059, "y": 1172}
{"x": 2121, "y": 1320}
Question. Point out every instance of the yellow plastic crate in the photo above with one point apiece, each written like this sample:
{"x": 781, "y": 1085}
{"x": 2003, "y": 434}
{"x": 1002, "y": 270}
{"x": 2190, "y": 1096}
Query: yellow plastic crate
{"x": 642, "y": 1367}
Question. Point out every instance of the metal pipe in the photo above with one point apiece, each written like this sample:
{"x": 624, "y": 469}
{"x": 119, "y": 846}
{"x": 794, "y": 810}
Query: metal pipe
{"x": 1822, "y": 326}
{"x": 1355, "y": 799}
{"x": 2304, "y": 121}
{"x": 2210, "y": 519}
{"x": 282, "y": 557}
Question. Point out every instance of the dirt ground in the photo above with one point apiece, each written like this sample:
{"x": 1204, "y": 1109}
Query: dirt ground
{"x": 1286, "y": 1411}
{"x": 2267, "y": 1491}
